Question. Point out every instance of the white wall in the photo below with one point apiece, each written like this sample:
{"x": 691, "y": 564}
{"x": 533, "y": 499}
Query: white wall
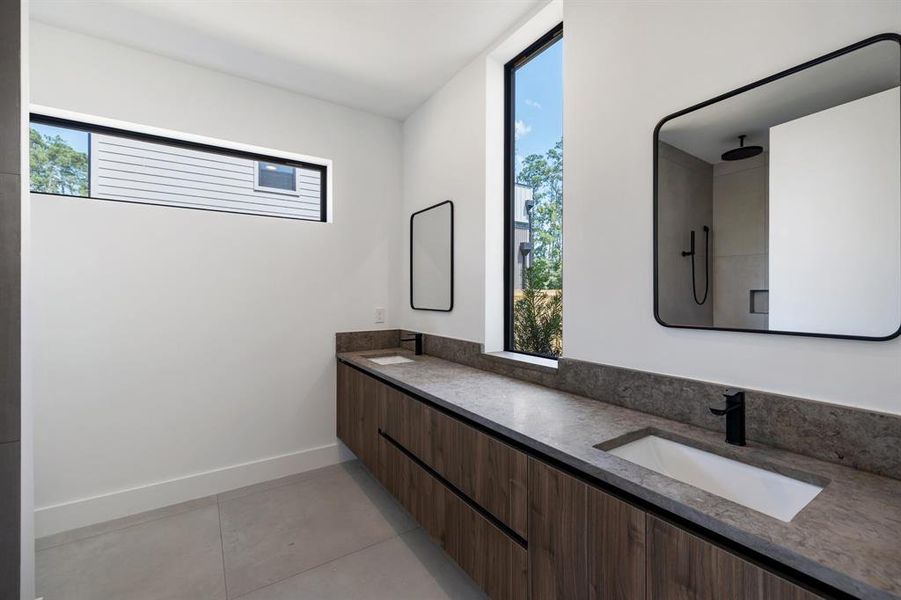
{"x": 835, "y": 247}
{"x": 627, "y": 65}
{"x": 178, "y": 353}
{"x": 444, "y": 159}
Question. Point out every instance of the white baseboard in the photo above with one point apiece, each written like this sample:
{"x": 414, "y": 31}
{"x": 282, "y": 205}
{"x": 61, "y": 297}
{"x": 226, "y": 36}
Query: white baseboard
{"x": 97, "y": 509}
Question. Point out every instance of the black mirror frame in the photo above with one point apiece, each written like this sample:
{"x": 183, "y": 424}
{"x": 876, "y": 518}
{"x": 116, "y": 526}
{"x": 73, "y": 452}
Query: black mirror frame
{"x": 892, "y": 37}
{"x": 412, "y": 216}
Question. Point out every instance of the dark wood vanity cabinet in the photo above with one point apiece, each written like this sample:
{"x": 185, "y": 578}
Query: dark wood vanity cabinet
{"x": 685, "y": 566}
{"x": 488, "y": 471}
{"x": 462, "y": 486}
{"x": 493, "y": 559}
{"x": 524, "y": 529}
{"x": 617, "y": 562}
{"x": 583, "y": 543}
{"x": 357, "y": 418}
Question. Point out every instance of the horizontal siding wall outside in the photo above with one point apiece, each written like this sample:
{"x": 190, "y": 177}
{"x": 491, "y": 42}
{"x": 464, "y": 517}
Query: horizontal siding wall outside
{"x": 139, "y": 171}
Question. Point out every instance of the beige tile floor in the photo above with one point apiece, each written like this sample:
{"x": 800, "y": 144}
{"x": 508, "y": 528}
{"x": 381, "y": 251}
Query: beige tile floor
{"x": 334, "y": 533}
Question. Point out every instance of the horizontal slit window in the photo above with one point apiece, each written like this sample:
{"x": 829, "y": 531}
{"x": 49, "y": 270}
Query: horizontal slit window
{"x": 70, "y": 158}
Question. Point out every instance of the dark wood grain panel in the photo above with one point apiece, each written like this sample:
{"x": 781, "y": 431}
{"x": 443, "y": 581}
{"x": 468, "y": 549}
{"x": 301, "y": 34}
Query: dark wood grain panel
{"x": 494, "y": 561}
{"x": 616, "y": 548}
{"x": 775, "y": 587}
{"x": 491, "y": 473}
{"x": 402, "y": 418}
{"x": 558, "y": 512}
{"x": 441, "y": 446}
{"x": 357, "y": 414}
{"x": 682, "y": 566}
{"x": 367, "y": 392}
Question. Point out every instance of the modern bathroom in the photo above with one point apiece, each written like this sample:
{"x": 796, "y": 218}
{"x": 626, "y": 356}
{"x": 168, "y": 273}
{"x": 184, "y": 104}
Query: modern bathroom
{"x": 442, "y": 299}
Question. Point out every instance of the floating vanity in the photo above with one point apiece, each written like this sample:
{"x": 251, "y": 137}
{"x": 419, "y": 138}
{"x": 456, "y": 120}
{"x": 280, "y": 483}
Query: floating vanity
{"x": 544, "y": 494}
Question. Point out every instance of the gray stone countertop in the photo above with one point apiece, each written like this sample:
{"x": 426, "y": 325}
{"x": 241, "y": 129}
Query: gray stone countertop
{"x": 849, "y": 536}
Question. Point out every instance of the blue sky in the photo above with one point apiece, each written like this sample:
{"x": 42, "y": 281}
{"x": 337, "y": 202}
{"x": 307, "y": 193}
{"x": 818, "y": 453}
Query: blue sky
{"x": 539, "y": 102}
{"x": 77, "y": 140}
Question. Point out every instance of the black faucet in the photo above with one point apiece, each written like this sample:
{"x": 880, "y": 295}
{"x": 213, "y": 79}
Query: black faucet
{"x": 417, "y": 337}
{"x": 734, "y": 410}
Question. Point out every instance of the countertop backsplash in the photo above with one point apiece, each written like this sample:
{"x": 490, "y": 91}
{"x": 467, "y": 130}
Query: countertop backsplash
{"x": 858, "y": 438}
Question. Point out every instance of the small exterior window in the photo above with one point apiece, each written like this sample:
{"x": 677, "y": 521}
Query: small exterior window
{"x": 70, "y": 158}
{"x": 273, "y": 177}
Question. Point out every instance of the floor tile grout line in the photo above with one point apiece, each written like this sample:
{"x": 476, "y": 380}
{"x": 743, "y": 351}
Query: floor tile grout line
{"x": 180, "y": 512}
{"x": 413, "y": 527}
{"x": 222, "y": 548}
{"x": 124, "y": 527}
{"x": 331, "y": 560}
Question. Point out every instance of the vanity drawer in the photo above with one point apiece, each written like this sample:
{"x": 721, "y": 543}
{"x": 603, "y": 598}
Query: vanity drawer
{"x": 682, "y": 565}
{"x": 584, "y": 544}
{"x": 491, "y": 473}
{"x": 497, "y": 563}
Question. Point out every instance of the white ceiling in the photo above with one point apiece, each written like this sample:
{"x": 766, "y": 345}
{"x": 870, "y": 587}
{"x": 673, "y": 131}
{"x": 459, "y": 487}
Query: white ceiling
{"x": 384, "y": 56}
{"x": 710, "y": 131}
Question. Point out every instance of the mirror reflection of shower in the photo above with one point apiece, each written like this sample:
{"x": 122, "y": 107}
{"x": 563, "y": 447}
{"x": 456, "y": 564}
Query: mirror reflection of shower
{"x": 691, "y": 253}
{"x": 778, "y": 172}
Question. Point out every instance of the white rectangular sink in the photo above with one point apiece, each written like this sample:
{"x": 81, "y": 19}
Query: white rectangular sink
{"x": 764, "y": 491}
{"x": 395, "y": 359}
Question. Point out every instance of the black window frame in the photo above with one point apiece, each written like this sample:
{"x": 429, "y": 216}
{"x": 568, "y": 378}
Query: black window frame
{"x": 91, "y": 128}
{"x": 510, "y": 68}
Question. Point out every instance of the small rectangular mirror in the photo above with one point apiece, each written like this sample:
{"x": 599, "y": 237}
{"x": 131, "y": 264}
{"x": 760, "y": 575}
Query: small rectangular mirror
{"x": 432, "y": 258}
{"x": 777, "y": 207}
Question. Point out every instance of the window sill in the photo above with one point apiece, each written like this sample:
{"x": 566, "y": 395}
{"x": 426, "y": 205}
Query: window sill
{"x": 527, "y": 361}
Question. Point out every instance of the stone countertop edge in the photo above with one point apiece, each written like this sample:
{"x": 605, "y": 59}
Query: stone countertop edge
{"x": 871, "y": 581}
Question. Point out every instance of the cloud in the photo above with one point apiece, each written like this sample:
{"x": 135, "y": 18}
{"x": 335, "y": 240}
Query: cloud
{"x": 533, "y": 104}
{"x": 520, "y": 129}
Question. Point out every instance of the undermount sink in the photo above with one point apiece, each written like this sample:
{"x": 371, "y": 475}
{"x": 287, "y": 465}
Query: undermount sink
{"x": 765, "y": 491}
{"x": 394, "y": 359}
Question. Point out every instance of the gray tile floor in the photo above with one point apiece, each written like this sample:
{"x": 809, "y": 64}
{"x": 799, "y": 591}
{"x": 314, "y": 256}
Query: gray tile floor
{"x": 334, "y": 533}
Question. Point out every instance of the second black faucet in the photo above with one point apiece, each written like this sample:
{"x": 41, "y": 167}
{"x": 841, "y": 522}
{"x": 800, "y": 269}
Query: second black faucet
{"x": 734, "y": 410}
{"x": 417, "y": 338}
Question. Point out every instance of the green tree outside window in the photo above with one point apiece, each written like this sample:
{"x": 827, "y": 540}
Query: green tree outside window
{"x": 538, "y": 312}
{"x": 56, "y": 167}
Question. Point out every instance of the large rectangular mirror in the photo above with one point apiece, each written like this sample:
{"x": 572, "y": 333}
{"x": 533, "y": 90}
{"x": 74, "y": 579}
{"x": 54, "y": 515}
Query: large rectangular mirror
{"x": 432, "y": 258}
{"x": 777, "y": 207}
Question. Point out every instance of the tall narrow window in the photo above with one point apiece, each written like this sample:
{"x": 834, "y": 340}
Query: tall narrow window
{"x": 534, "y": 191}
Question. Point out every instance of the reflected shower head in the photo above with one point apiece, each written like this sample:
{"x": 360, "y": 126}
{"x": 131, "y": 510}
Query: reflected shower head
{"x": 742, "y": 152}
